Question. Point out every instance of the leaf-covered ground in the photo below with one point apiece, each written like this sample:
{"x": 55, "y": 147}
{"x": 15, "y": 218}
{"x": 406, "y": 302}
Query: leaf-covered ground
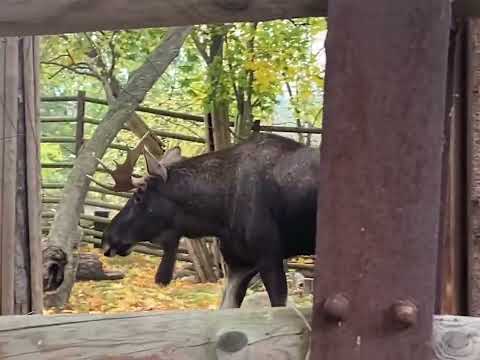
{"x": 138, "y": 291}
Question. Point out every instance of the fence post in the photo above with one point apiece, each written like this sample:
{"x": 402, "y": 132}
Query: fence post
{"x": 80, "y": 128}
{"x": 97, "y": 226}
{"x": 379, "y": 209}
{"x": 209, "y": 132}
{"x": 473, "y": 164}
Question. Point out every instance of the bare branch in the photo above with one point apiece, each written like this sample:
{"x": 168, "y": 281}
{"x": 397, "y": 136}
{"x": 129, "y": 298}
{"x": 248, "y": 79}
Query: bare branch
{"x": 80, "y": 70}
{"x": 201, "y": 47}
{"x": 111, "y": 45}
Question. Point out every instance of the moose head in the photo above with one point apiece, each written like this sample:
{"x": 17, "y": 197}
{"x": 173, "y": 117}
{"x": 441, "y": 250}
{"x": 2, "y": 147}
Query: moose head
{"x": 144, "y": 216}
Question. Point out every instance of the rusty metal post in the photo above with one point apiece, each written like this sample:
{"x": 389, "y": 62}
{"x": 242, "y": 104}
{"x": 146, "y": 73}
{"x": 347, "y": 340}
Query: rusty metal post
{"x": 380, "y": 181}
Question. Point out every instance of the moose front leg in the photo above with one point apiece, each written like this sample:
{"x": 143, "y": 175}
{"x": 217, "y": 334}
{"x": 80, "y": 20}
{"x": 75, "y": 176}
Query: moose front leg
{"x": 166, "y": 268}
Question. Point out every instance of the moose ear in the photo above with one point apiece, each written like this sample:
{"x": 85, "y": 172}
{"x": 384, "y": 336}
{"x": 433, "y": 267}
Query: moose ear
{"x": 172, "y": 156}
{"x": 155, "y": 167}
{"x": 159, "y": 167}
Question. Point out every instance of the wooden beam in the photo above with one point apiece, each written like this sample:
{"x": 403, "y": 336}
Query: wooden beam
{"x": 473, "y": 161}
{"x": 452, "y": 266}
{"x": 29, "y": 17}
{"x": 281, "y": 333}
{"x": 21, "y": 17}
{"x": 380, "y": 179}
{"x": 9, "y": 93}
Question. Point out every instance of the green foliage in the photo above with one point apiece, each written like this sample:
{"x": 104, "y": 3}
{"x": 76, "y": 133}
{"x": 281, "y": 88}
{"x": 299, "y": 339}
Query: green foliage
{"x": 279, "y": 54}
{"x": 263, "y": 61}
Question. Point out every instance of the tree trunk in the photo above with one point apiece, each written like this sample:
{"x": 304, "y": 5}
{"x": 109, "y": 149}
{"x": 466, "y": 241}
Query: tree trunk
{"x": 219, "y": 105}
{"x": 244, "y": 124}
{"x": 64, "y": 234}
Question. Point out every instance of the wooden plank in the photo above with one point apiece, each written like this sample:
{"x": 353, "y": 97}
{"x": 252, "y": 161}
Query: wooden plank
{"x": 380, "y": 179}
{"x": 456, "y": 338}
{"x": 100, "y": 204}
{"x": 92, "y": 188}
{"x": 231, "y": 334}
{"x": 2, "y": 136}
{"x": 21, "y": 255}
{"x": 279, "y": 333}
{"x": 145, "y": 109}
{"x": 473, "y": 173}
{"x": 453, "y": 260}
{"x": 8, "y": 119}
{"x": 72, "y": 140}
{"x": 31, "y": 73}
{"x": 28, "y": 17}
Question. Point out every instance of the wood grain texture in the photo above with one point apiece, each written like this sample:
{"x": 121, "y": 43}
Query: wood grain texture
{"x": 8, "y": 172}
{"x": 456, "y": 338}
{"x": 232, "y": 334}
{"x": 20, "y": 17}
{"x": 28, "y": 17}
{"x": 473, "y": 161}
{"x": 31, "y": 96}
{"x": 452, "y": 266}
{"x": 21, "y": 255}
{"x": 380, "y": 177}
{"x": 270, "y": 334}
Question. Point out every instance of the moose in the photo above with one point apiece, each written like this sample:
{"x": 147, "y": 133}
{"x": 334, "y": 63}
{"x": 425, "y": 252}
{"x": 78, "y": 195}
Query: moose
{"x": 258, "y": 198}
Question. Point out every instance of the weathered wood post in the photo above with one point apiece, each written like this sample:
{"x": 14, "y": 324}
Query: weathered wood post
{"x": 473, "y": 154}
{"x": 380, "y": 181}
{"x": 452, "y": 264}
{"x": 20, "y": 251}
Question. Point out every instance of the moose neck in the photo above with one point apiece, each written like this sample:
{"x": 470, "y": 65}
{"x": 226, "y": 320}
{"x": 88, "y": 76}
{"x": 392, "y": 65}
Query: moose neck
{"x": 199, "y": 194}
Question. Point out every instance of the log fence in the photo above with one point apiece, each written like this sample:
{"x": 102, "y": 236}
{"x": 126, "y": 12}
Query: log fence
{"x": 91, "y": 223}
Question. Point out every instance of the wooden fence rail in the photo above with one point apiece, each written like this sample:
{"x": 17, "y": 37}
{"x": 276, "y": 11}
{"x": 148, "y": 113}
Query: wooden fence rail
{"x": 273, "y": 333}
{"x": 195, "y": 254}
{"x": 257, "y": 127}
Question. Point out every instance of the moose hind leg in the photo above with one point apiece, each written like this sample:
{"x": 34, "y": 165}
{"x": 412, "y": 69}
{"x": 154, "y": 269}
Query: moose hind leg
{"x": 237, "y": 284}
{"x": 275, "y": 281}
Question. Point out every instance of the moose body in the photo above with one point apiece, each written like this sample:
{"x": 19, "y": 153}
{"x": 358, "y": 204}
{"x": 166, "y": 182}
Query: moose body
{"x": 258, "y": 197}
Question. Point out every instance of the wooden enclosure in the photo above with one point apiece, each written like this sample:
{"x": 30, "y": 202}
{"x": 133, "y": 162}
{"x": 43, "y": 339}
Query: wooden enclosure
{"x": 192, "y": 252}
{"x": 387, "y": 189}
{"x": 201, "y": 335}
{"x": 20, "y": 254}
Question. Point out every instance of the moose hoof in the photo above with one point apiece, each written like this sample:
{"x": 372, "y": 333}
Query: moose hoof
{"x": 162, "y": 281}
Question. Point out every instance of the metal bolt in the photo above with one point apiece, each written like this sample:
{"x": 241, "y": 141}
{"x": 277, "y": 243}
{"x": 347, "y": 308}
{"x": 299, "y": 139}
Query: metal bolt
{"x": 405, "y": 312}
{"x": 337, "y": 307}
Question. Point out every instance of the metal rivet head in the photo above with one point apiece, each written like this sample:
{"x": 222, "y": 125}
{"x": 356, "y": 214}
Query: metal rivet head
{"x": 337, "y": 307}
{"x": 405, "y": 312}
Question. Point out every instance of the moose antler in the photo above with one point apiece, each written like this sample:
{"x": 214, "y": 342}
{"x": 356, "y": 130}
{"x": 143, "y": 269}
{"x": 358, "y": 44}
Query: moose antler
{"x": 123, "y": 173}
